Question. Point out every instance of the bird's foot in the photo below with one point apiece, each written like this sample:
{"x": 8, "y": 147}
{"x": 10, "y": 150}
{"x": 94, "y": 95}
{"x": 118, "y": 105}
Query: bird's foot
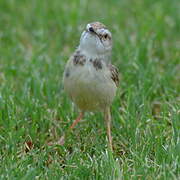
{"x": 60, "y": 142}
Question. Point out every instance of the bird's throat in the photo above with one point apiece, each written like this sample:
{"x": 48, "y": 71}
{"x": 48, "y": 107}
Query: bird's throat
{"x": 92, "y": 55}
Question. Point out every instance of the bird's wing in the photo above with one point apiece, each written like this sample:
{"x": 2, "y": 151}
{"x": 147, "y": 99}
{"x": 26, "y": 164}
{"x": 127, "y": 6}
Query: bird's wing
{"x": 114, "y": 74}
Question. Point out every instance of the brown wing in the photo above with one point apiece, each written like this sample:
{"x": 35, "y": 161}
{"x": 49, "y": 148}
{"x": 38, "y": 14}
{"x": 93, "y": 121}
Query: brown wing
{"x": 114, "y": 74}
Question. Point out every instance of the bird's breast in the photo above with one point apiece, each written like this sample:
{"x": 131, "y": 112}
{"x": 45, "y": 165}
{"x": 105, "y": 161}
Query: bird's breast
{"x": 89, "y": 84}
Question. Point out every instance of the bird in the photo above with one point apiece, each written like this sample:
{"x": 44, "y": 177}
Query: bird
{"x": 89, "y": 79}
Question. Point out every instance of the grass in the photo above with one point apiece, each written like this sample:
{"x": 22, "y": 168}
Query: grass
{"x": 36, "y": 39}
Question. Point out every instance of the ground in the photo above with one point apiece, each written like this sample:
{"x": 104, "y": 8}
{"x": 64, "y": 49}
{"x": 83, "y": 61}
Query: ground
{"x": 36, "y": 39}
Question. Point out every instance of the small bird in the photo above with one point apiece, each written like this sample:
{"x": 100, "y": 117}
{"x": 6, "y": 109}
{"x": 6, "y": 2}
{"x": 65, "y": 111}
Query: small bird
{"x": 89, "y": 78}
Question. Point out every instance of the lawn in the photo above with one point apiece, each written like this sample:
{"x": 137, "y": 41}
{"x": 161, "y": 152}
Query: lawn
{"x": 36, "y": 39}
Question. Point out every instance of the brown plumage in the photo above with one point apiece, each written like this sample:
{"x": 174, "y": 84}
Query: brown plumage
{"x": 114, "y": 74}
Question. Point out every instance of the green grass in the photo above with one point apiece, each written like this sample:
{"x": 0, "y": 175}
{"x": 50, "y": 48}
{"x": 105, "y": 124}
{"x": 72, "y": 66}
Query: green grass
{"x": 36, "y": 39}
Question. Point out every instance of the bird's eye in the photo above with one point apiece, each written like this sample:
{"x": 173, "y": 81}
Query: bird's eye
{"x": 105, "y": 36}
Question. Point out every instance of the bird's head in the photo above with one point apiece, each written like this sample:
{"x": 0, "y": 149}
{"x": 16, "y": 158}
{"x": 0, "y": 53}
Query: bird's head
{"x": 96, "y": 40}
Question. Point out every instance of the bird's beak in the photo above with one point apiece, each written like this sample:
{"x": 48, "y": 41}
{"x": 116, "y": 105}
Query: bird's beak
{"x": 91, "y": 30}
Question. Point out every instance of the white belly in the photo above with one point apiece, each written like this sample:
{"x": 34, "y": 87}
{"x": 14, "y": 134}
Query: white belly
{"x": 90, "y": 89}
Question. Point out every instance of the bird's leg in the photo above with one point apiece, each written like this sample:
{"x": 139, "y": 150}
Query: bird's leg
{"x": 107, "y": 116}
{"x": 62, "y": 139}
{"x": 77, "y": 120}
